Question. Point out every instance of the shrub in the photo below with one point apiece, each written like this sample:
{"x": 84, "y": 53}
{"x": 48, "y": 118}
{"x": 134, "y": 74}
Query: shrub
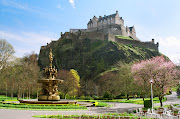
{"x": 147, "y": 104}
{"x": 106, "y": 96}
{"x": 88, "y": 98}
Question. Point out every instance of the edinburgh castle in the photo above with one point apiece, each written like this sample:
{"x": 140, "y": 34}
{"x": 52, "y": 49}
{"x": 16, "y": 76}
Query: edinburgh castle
{"x": 110, "y": 28}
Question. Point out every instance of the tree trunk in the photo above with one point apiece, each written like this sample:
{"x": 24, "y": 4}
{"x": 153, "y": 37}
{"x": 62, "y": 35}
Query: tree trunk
{"x": 11, "y": 94}
{"x": 37, "y": 94}
{"x": 160, "y": 99}
{"x": 29, "y": 93}
{"x": 127, "y": 96}
{"x": 65, "y": 96}
{"x": 23, "y": 94}
{"x": 18, "y": 94}
{"x": 86, "y": 89}
{"x": 6, "y": 90}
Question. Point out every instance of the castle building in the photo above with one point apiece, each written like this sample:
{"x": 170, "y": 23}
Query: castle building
{"x": 113, "y": 24}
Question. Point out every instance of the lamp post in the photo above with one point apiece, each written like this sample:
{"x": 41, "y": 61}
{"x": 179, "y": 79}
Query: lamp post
{"x": 151, "y": 93}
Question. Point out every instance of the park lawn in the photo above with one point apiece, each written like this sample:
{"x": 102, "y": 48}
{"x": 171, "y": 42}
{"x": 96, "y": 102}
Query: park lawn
{"x": 3, "y": 97}
{"x": 42, "y": 109}
{"x": 41, "y": 106}
{"x": 134, "y": 101}
{"x": 100, "y": 116}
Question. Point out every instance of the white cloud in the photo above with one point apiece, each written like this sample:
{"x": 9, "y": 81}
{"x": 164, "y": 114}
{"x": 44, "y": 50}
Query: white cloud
{"x": 26, "y": 42}
{"x": 25, "y": 7}
{"x": 170, "y": 46}
{"x": 72, "y": 3}
{"x": 26, "y": 37}
{"x": 58, "y": 6}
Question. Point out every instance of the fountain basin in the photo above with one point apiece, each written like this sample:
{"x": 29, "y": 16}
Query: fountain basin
{"x": 36, "y": 101}
{"x": 49, "y": 90}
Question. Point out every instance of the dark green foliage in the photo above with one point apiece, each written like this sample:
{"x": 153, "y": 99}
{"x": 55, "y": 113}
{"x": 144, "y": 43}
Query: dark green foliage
{"x": 91, "y": 57}
{"x": 106, "y": 96}
{"x": 147, "y": 104}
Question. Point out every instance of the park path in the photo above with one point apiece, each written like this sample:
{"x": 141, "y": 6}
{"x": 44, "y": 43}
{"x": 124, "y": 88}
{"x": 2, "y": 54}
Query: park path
{"x": 27, "y": 114}
{"x": 171, "y": 99}
{"x": 117, "y": 107}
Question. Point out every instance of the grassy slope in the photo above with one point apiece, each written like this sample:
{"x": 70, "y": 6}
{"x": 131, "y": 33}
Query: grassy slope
{"x": 124, "y": 37}
{"x": 90, "y": 58}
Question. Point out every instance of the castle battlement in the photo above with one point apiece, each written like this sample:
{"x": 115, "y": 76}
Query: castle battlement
{"x": 108, "y": 28}
{"x": 102, "y": 21}
{"x": 113, "y": 24}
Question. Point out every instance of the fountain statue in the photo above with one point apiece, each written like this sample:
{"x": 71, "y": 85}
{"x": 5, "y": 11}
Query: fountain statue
{"x": 49, "y": 90}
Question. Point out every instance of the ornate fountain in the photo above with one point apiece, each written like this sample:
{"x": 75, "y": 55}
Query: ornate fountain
{"x": 49, "y": 90}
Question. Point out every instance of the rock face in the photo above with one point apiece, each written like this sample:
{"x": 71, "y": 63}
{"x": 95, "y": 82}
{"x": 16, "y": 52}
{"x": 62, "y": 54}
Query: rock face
{"x": 92, "y": 57}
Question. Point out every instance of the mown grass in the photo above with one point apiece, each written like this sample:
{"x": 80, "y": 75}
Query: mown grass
{"x": 101, "y": 104}
{"x": 41, "y": 106}
{"x": 3, "y": 97}
{"x": 101, "y": 116}
{"x": 134, "y": 101}
{"x": 124, "y": 37}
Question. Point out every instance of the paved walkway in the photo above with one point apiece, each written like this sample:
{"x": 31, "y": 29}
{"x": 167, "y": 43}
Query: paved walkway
{"x": 117, "y": 107}
{"x": 171, "y": 99}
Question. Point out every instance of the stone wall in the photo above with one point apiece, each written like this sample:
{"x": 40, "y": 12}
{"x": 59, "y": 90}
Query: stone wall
{"x": 111, "y": 28}
{"x": 109, "y": 37}
{"x": 92, "y": 36}
{"x": 68, "y": 35}
{"x": 150, "y": 44}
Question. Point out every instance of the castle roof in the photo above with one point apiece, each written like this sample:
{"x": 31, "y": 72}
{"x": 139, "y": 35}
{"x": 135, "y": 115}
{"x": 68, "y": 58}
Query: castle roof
{"x": 105, "y": 17}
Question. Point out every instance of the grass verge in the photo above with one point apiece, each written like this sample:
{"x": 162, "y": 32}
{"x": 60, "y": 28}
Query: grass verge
{"x": 101, "y": 116}
{"x": 41, "y": 107}
{"x": 134, "y": 101}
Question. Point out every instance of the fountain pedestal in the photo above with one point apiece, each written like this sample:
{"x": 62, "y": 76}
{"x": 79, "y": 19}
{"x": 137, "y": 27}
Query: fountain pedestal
{"x": 49, "y": 90}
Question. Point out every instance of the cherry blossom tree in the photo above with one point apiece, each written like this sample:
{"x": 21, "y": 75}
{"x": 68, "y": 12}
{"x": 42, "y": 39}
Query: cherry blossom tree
{"x": 160, "y": 70}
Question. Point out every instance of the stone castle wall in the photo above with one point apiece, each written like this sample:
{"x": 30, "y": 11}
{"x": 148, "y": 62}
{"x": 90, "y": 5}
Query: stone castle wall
{"x": 92, "y": 36}
{"x": 109, "y": 37}
{"x": 111, "y": 28}
{"x": 137, "y": 43}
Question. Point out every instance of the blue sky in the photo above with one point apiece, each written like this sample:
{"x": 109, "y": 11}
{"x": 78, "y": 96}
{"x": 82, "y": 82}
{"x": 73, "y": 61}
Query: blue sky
{"x": 29, "y": 24}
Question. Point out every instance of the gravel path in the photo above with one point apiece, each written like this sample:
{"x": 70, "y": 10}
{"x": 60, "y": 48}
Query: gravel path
{"x": 117, "y": 107}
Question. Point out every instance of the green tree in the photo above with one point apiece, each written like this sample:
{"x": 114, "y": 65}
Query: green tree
{"x": 6, "y": 50}
{"x": 109, "y": 83}
{"x": 125, "y": 76}
{"x": 70, "y": 83}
